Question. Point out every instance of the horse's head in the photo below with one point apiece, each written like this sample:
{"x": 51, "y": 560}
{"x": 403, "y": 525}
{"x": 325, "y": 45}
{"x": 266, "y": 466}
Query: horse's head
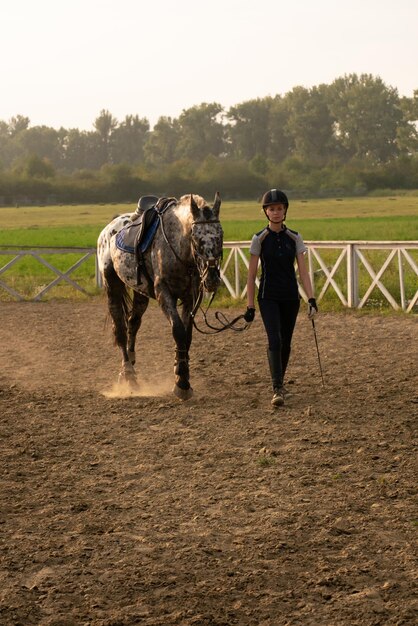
{"x": 207, "y": 240}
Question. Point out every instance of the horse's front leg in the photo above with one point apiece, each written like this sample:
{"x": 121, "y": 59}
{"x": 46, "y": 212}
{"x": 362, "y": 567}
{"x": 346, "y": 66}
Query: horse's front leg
{"x": 182, "y": 337}
{"x": 187, "y": 320}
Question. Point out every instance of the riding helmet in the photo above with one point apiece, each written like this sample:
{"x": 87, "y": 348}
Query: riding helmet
{"x": 274, "y": 196}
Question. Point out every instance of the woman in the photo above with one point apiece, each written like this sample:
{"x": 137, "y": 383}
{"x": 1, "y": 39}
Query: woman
{"x": 277, "y": 247}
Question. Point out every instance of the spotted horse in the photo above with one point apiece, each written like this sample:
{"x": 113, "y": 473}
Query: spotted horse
{"x": 178, "y": 266}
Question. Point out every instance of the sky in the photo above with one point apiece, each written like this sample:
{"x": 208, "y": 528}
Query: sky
{"x": 61, "y": 63}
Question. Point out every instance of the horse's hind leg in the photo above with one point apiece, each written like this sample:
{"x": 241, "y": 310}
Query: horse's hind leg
{"x": 139, "y": 306}
{"x": 119, "y": 303}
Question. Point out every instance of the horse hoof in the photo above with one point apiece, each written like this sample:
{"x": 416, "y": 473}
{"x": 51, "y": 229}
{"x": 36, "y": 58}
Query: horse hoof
{"x": 182, "y": 394}
{"x": 133, "y": 385}
{"x": 128, "y": 382}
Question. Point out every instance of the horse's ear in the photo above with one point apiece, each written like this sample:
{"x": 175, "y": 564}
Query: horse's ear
{"x": 193, "y": 207}
{"x": 216, "y": 204}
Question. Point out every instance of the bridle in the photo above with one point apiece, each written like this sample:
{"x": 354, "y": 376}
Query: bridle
{"x": 203, "y": 265}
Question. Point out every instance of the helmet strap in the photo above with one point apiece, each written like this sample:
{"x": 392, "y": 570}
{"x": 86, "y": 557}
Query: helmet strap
{"x": 272, "y": 221}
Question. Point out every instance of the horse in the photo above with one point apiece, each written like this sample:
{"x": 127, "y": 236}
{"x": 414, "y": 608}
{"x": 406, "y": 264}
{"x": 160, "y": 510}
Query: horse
{"x": 179, "y": 265}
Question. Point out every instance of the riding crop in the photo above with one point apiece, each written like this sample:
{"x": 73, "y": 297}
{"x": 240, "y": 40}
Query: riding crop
{"x": 317, "y": 351}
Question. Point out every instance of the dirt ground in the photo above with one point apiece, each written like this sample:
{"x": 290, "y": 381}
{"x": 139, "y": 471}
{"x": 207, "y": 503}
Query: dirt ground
{"x": 118, "y": 511}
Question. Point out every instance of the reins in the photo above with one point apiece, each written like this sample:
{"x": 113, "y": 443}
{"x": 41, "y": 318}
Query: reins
{"x": 225, "y": 323}
{"x": 160, "y": 217}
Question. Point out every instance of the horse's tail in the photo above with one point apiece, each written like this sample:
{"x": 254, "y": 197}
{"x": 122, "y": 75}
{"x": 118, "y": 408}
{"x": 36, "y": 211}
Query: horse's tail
{"x": 119, "y": 298}
{"x": 126, "y": 303}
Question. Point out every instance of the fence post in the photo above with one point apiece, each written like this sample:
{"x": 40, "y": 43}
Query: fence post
{"x": 237, "y": 276}
{"x": 352, "y": 276}
{"x": 401, "y": 281}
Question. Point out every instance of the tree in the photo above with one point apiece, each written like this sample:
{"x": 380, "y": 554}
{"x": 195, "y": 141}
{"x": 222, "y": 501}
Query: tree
{"x": 7, "y": 150}
{"x": 281, "y": 143}
{"x": 82, "y": 150}
{"x": 105, "y": 124}
{"x": 160, "y": 145}
{"x": 367, "y": 114}
{"x": 249, "y": 128}
{"x": 407, "y": 131}
{"x": 201, "y": 132}
{"x": 43, "y": 141}
{"x": 4, "y": 130}
{"x": 17, "y": 124}
{"x": 36, "y": 167}
{"x": 310, "y": 124}
{"x": 128, "y": 140}
{"x": 232, "y": 177}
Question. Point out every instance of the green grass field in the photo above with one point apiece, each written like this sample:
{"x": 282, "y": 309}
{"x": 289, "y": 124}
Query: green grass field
{"x": 365, "y": 219}
{"x": 374, "y": 219}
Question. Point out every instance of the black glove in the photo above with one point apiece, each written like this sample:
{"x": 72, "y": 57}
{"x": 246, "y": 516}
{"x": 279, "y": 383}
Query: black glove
{"x": 312, "y": 308}
{"x": 249, "y": 314}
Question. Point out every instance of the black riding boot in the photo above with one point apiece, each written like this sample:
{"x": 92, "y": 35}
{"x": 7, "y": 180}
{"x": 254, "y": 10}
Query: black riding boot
{"x": 275, "y": 363}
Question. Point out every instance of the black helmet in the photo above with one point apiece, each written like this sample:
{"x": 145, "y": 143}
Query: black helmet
{"x": 275, "y": 196}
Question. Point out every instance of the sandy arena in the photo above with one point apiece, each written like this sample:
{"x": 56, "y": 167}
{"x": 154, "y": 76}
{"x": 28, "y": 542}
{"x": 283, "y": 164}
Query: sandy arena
{"x": 117, "y": 511}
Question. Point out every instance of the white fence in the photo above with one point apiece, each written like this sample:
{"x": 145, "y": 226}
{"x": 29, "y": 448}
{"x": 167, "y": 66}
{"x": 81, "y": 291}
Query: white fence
{"x": 347, "y": 273}
{"x": 356, "y": 272}
{"x": 38, "y": 254}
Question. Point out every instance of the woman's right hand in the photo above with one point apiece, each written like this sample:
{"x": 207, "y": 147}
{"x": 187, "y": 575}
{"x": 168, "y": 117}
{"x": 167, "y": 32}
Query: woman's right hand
{"x": 249, "y": 314}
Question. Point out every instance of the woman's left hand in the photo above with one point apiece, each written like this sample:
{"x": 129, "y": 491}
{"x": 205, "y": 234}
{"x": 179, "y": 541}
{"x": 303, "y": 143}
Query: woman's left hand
{"x": 312, "y": 308}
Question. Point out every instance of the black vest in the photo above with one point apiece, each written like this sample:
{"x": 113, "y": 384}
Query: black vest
{"x": 278, "y": 277}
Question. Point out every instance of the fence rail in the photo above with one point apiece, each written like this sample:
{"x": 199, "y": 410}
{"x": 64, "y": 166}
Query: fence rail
{"x": 38, "y": 254}
{"x": 352, "y": 271}
{"x": 347, "y": 274}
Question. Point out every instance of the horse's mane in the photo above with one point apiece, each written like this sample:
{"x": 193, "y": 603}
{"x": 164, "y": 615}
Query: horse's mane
{"x": 201, "y": 202}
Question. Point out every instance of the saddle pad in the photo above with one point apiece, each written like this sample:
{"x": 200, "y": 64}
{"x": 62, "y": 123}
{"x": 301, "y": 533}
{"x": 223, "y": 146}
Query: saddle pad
{"x": 126, "y": 238}
{"x": 149, "y": 234}
{"x": 120, "y": 242}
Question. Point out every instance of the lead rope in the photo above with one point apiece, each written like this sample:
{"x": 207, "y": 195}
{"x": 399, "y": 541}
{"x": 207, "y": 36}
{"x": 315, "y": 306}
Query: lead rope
{"x": 225, "y": 323}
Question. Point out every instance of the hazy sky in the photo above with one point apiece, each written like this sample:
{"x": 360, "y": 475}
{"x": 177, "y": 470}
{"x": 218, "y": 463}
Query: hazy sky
{"x": 62, "y": 62}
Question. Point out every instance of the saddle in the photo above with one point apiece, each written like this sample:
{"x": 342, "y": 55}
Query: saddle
{"x": 138, "y": 235}
{"x": 144, "y": 203}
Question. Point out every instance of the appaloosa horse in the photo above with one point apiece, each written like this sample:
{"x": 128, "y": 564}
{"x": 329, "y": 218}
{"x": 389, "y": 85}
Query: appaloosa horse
{"x": 181, "y": 262}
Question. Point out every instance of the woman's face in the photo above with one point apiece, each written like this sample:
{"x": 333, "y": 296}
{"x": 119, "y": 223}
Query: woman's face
{"x": 276, "y": 212}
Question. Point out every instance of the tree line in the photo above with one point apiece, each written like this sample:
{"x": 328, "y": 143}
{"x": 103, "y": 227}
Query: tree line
{"x": 353, "y": 135}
